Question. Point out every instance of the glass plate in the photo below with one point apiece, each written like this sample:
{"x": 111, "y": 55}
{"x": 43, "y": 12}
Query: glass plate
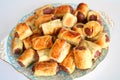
{"x": 6, "y": 54}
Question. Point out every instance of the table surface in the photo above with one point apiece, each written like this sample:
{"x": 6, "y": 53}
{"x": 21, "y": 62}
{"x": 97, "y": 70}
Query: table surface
{"x": 12, "y": 10}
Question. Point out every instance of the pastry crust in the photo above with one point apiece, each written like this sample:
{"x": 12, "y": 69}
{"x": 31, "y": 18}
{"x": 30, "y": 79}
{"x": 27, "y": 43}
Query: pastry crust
{"x": 17, "y": 46}
{"x": 46, "y": 68}
{"x": 28, "y": 41}
{"x": 43, "y": 19}
{"x": 83, "y": 8}
{"x": 102, "y": 39}
{"x": 69, "y": 20}
{"x": 83, "y": 57}
{"x": 70, "y": 36}
{"x": 42, "y": 42}
{"x": 94, "y": 48}
{"x": 51, "y": 27}
{"x": 79, "y": 27}
{"x": 92, "y": 28}
{"x": 61, "y": 10}
{"x": 93, "y": 16}
{"x": 43, "y": 55}
{"x": 40, "y": 11}
{"x": 23, "y": 31}
{"x": 27, "y": 57}
{"x": 59, "y": 50}
{"x": 68, "y": 64}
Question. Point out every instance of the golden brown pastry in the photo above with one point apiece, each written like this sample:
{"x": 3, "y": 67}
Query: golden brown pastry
{"x": 94, "y": 48}
{"x": 30, "y": 21}
{"x": 59, "y": 50}
{"x": 27, "y": 57}
{"x": 61, "y": 10}
{"x": 43, "y": 55}
{"x": 81, "y": 12}
{"x": 46, "y": 68}
{"x": 92, "y": 28}
{"x": 68, "y": 64}
{"x": 102, "y": 39}
{"x": 79, "y": 27}
{"x": 70, "y": 36}
{"x": 82, "y": 57}
{"x": 69, "y": 20}
{"x": 42, "y": 42}
{"x": 17, "y": 46}
{"x": 51, "y": 27}
{"x": 46, "y": 9}
{"x": 23, "y": 30}
{"x": 28, "y": 41}
{"x": 42, "y": 19}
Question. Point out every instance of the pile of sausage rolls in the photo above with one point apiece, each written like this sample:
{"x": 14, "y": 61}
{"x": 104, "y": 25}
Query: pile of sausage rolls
{"x": 60, "y": 38}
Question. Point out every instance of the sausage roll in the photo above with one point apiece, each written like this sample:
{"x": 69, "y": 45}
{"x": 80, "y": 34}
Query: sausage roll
{"x": 17, "y": 46}
{"x": 69, "y": 20}
{"x": 83, "y": 8}
{"x": 27, "y": 57}
{"x": 28, "y": 41}
{"x": 82, "y": 57}
{"x": 23, "y": 30}
{"x": 79, "y": 27}
{"x": 60, "y": 11}
{"x": 45, "y": 68}
{"x": 51, "y": 27}
{"x": 92, "y": 28}
{"x": 70, "y": 36}
{"x": 43, "y": 55}
{"x": 93, "y": 16}
{"x": 42, "y": 19}
{"x": 68, "y": 64}
{"x": 30, "y": 20}
{"x": 31, "y": 23}
{"x": 81, "y": 12}
{"x": 47, "y": 9}
{"x": 94, "y": 48}
{"x": 42, "y": 42}
{"x": 59, "y": 50}
{"x": 102, "y": 39}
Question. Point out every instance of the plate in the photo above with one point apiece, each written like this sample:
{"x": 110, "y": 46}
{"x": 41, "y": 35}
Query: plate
{"x": 6, "y": 54}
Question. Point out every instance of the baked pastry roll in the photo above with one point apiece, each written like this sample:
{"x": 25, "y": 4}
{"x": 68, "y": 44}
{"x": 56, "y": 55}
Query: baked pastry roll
{"x": 17, "y": 46}
{"x": 51, "y": 27}
{"x": 42, "y": 19}
{"x": 31, "y": 23}
{"x": 59, "y": 50}
{"x": 79, "y": 27}
{"x": 28, "y": 41}
{"x": 27, "y": 57}
{"x": 68, "y": 64}
{"x": 94, "y": 48}
{"x": 30, "y": 20}
{"x": 69, "y": 20}
{"x": 82, "y": 57}
{"x": 102, "y": 39}
{"x": 45, "y": 68}
{"x": 70, "y": 36}
{"x": 83, "y": 8}
{"x": 61, "y": 10}
{"x": 93, "y": 16}
{"x": 46, "y": 9}
{"x": 42, "y": 42}
{"x": 23, "y": 30}
{"x": 81, "y": 12}
{"x": 92, "y": 28}
{"x": 43, "y": 55}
